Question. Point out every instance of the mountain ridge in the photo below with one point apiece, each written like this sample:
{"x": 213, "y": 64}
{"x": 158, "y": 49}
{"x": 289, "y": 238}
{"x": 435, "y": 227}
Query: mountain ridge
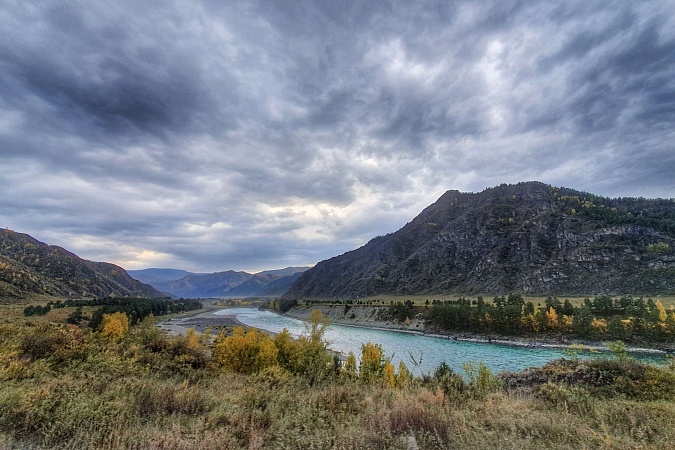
{"x": 155, "y": 275}
{"x": 232, "y": 284}
{"x": 529, "y": 237}
{"x": 29, "y": 266}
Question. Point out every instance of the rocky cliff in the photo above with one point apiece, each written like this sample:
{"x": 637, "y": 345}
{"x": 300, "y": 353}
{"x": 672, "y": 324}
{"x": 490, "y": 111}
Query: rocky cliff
{"x": 529, "y": 237}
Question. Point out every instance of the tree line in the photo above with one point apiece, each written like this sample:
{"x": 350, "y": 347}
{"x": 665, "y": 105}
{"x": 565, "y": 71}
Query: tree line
{"x": 604, "y": 317}
{"x": 135, "y": 309}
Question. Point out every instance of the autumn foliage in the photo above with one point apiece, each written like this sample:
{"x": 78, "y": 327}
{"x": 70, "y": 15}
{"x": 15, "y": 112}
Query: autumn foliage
{"x": 115, "y": 325}
{"x": 245, "y": 351}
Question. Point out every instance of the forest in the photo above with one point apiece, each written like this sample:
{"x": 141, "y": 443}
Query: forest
{"x": 630, "y": 319}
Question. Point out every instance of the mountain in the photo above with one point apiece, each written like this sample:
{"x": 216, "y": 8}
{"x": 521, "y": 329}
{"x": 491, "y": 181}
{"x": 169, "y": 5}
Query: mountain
{"x": 153, "y": 275}
{"x": 529, "y": 237}
{"x": 288, "y": 271}
{"x": 280, "y": 286}
{"x": 232, "y": 284}
{"x": 252, "y": 287}
{"x": 210, "y": 285}
{"x": 30, "y": 266}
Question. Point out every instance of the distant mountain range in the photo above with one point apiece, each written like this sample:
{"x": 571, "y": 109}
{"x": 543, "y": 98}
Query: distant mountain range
{"x": 158, "y": 275}
{"x": 227, "y": 284}
{"x": 28, "y": 266}
{"x": 529, "y": 237}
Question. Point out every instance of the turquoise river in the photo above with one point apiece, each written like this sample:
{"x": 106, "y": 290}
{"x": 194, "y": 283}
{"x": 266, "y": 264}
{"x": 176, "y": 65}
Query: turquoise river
{"x": 420, "y": 353}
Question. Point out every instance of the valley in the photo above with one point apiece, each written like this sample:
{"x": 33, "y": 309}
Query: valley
{"x": 484, "y": 306}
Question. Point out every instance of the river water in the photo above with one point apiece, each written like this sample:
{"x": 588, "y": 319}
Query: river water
{"x": 427, "y": 351}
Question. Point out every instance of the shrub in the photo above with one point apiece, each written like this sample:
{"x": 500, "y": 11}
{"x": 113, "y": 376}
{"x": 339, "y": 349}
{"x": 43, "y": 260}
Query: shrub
{"x": 618, "y": 349}
{"x": 409, "y": 417}
{"x": 566, "y": 398}
{"x": 114, "y": 325}
{"x": 481, "y": 379}
{"x": 190, "y": 349}
{"x": 58, "y": 342}
{"x": 245, "y": 351}
{"x": 404, "y": 378}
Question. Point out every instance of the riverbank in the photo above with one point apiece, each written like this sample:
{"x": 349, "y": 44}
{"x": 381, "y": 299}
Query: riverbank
{"x": 149, "y": 391}
{"x": 374, "y": 318}
{"x": 201, "y": 321}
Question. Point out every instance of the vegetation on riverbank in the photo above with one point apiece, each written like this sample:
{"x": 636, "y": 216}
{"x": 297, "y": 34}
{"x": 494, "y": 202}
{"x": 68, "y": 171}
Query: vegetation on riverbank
{"x": 641, "y": 322}
{"x": 68, "y": 386}
{"x": 634, "y": 320}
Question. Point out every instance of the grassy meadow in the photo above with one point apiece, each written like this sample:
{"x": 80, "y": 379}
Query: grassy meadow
{"x": 66, "y": 386}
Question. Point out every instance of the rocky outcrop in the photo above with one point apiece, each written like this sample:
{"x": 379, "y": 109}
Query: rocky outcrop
{"x": 530, "y": 238}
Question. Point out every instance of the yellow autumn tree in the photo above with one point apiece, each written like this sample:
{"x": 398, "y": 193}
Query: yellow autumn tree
{"x": 350, "y": 365}
{"x": 372, "y": 360}
{"x": 670, "y": 322}
{"x": 245, "y": 351}
{"x": 389, "y": 375}
{"x": 566, "y": 323}
{"x": 316, "y": 327}
{"x": 551, "y": 319}
{"x": 404, "y": 377}
{"x": 287, "y": 351}
{"x": 190, "y": 349}
{"x": 114, "y": 325}
{"x": 661, "y": 313}
{"x": 193, "y": 341}
{"x": 599, "y": 325}
{"x": 529, "y": 322}
{"x": 306, "y": 355}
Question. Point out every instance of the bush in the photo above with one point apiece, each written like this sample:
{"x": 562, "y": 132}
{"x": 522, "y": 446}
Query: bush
{"x": 190, "y": 349}
{"x": 566, "y": 398}
{"x": 245, "y": 351}
{"x": 58, "y": 342}
{"x": 481, "y": 379}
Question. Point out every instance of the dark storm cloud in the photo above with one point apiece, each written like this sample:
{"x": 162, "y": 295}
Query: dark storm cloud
{"x": 93, "y": 78}
{"x": 212, "y": 135}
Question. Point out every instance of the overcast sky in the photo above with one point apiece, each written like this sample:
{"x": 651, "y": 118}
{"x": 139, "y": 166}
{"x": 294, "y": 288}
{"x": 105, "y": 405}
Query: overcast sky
{"x": 214, "y": 135}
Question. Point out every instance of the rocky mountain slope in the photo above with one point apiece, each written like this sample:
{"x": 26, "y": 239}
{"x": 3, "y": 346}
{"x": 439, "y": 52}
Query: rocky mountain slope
{"x": 232, "y": 284}
{"x": 529, "y": 237}
{"x": 28, "y": 266}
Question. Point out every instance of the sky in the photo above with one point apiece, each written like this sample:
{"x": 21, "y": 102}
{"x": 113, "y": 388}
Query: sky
{"x": 208, "y": 135}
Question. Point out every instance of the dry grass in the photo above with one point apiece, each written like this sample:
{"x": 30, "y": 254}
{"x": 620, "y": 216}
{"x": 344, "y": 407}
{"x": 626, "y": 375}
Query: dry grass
{"x": 135, "y": 394}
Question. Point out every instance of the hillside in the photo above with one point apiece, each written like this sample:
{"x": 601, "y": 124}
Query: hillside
{"x": 28, "y": 266}
{"x": 530, "y": 237}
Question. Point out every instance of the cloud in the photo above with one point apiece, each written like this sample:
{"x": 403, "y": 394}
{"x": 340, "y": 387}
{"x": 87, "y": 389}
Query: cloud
{"x": 251, "y": 135}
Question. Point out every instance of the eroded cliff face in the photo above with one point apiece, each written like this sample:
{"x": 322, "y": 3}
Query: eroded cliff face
{"x": 529, "y": 237}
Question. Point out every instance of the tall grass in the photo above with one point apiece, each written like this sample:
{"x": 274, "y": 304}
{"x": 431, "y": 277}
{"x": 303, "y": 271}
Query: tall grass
{"x": 150, "y": 391}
